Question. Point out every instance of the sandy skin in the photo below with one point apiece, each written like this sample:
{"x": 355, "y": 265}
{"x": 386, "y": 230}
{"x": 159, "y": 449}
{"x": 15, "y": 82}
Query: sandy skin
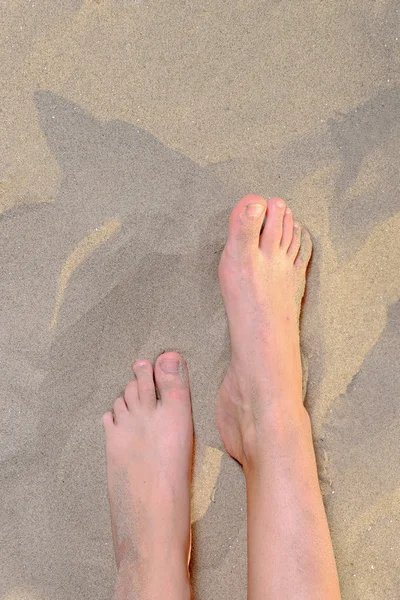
{"x": 261, "y": 420}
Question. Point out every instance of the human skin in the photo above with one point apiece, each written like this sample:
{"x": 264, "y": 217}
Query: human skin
{"x": 260, "y": 413}
{"x": 262, "y": 422}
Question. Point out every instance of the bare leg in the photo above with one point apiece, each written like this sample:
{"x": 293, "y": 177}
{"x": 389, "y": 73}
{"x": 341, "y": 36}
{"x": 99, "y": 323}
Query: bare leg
{"x": 260, "y": 413}
{"x": 149, "y": 454}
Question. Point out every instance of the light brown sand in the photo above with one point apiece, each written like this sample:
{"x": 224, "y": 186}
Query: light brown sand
{"x": 130, "y": 129}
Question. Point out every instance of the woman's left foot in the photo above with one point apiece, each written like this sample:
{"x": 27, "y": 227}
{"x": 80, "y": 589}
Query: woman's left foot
{"x": 149, "y": 459}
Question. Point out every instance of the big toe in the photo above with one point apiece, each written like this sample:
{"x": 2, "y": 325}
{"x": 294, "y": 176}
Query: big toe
{"x": 245, "y": 223}
{"x": 172, "y": 379}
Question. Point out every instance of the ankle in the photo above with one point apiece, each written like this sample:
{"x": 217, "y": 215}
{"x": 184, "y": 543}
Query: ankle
{"x": 279, "y": 428}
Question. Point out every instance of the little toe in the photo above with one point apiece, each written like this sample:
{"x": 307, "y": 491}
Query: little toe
{"x": 295, "y": 243}
{"x": 304, "y": 253}
{"x": 131, "y": 394}
{"x": 143, "y": 370}
{"x": 272, "y": 233}
{"x": 108, "y": 421}
{"x": 119, "y": 409}
{"x": 287, "y": 233}
{"x": 172, "y": 378}
{"x": 245, "y": 223}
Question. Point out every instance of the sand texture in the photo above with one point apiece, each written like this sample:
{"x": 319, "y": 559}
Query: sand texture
{"x": 129, "y": 129}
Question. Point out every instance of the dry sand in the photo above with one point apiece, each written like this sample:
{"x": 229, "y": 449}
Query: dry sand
{"x": 130, "y": 129}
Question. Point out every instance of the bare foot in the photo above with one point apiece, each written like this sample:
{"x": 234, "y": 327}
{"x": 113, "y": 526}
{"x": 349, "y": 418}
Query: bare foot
{"x": 260, "y": 413}
{"x": 262, "y": 279}
{"x": 149, "y": 454}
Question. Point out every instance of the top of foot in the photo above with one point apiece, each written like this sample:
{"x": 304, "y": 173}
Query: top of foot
{"x": 265, "y": 242}
{"x": 149, "y": 458}
{"x": 262, "y": 276}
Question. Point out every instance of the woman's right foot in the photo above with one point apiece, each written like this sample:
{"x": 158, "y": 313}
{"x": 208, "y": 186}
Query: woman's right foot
{"x": 262, "y": 277}
{"x": 260, "y": 412}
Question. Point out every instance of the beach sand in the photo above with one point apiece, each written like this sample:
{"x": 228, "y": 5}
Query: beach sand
{"x": 130, "y": 129}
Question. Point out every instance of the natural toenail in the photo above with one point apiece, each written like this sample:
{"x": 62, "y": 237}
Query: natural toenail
{"x": 255, "y": 210}
{"x": 170, "y": 365}
{"x": 280, "y": 203}
{"x": 296, "y": 225}
{"x": 288, "y": 211}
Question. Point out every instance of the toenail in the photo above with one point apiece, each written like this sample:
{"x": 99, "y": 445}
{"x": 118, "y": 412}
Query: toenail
{"x": 255, "y": 210}
{"x": 288, "y": 211}
{"x": 170, "y": 365}
{"x": 280, "y": 203}
{"x": 296, "y": 225}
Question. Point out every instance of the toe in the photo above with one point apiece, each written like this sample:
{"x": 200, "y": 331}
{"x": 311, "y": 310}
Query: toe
{"x": 108, "y": 421}
{"x": 143, "y": 370}
{"x": 304, "y": 253}
{"x": 131, "y": 394}
{"x": 295, "y": 243}
{"x": 245, "y": 224}
{"x": 119, "y": 409}
{"x": 287, "y": 233}
{"x": 272, "y": 233}
{"x": 172, "y": 378}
